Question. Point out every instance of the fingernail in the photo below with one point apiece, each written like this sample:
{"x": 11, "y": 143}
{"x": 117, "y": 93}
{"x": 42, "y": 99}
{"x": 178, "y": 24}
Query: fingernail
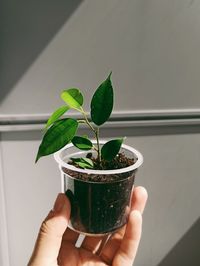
{"x": 59, "y": 204}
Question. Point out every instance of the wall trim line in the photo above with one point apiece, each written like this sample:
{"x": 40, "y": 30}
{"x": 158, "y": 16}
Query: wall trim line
{"x": 186, "y": 117}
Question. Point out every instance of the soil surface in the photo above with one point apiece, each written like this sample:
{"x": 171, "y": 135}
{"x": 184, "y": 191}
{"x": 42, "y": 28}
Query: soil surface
{"x": 120, "y": 161}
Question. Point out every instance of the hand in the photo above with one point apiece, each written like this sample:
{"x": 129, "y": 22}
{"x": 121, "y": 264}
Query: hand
{"x": 55, "y": 244}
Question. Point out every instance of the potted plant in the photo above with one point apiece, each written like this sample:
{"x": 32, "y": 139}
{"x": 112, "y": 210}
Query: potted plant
{"x": 97, "y": 175}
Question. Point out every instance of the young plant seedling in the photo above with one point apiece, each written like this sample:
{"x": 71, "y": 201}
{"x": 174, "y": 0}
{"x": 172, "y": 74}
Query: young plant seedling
{"x": 61, "y": 131}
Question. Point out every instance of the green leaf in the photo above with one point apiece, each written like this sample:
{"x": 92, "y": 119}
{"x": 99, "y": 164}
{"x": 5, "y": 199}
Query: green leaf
{"x": 83, "y": 162}
{"x": 102, "y": 102}
{"x": 73, "y": 98}
{"x": 84, "y": 165}
{"x": 75, "y": 160}
{"x": 57, "y": 136}
{"x": 88, "y": 161}
{"x": 82, "y": 143}
{"x": 56, "y": 115}
{"x": 110, "y": 149}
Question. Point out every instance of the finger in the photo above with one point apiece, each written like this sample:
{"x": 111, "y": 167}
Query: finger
{"x": 109, "y": 250}
{"x": 129, "y": 245}
{"x": 70, "y": 236}
{"x": 138, "y": 202}
{"x": 139, "y": 199}
{"x": 91, "y": 243}
{"x": 50, "y": 236}
{"x": 95, "y": 244}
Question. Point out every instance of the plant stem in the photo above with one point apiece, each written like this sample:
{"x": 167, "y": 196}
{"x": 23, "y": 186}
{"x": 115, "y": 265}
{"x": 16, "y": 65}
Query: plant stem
{"x": 96, "y": 132}
{"x": 81, "y": 121}
{"x": 98, "y": 145}
{"x": 94, "y": 147}
{"x": 87, "y": 121}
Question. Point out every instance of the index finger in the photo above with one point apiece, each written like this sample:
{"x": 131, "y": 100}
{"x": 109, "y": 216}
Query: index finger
{"x": 129, "y": 245}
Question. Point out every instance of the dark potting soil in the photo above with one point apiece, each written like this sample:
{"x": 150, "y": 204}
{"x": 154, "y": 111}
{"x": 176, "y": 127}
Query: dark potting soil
{"x": 99, "y": 208}
{"x": 120, "y": 161}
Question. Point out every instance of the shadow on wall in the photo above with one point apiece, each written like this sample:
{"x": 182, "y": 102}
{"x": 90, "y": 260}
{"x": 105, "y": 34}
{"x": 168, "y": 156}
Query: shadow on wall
{"x": 186, "y": 252}
{"x": 26, "y": 28}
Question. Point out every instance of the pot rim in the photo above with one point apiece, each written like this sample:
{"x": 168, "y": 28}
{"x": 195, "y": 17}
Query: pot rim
{"x": 137, "y": 164}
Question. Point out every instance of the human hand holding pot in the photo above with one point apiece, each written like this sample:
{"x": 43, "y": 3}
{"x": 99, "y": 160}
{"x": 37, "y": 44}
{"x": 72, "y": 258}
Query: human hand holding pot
{"x": 55, "y": 244}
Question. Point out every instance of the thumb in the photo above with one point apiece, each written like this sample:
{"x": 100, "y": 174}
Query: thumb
{"x": 50, "y": 235}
